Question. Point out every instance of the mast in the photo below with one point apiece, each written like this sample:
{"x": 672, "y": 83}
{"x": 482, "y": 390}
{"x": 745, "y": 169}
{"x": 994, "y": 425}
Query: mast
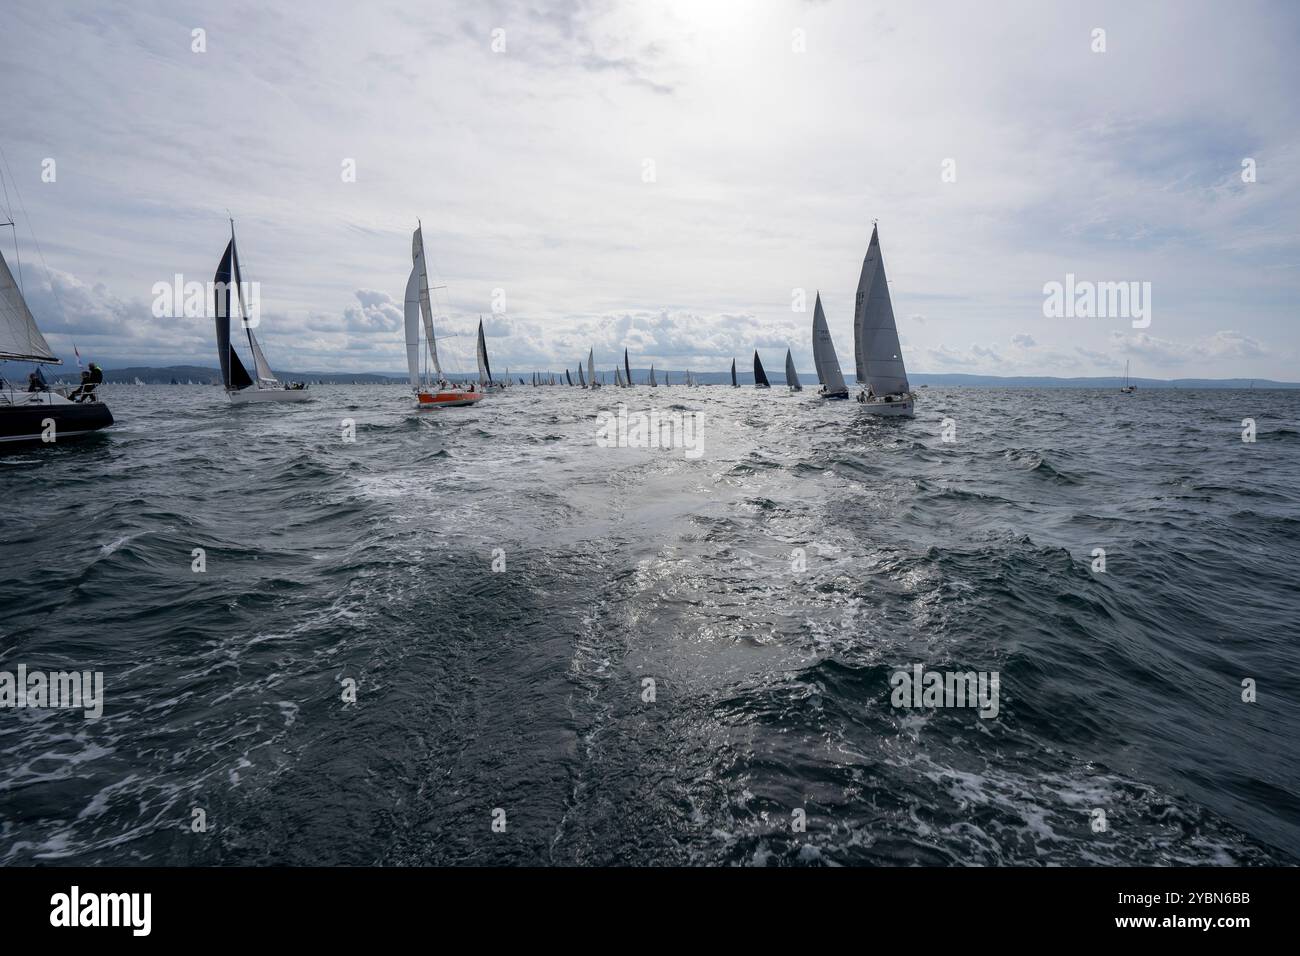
{"x": 426, "y": 310}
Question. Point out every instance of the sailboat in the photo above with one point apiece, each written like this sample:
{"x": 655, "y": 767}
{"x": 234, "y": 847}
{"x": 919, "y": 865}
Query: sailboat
{"x": 824, "y": 358}
{"x": 875, "y": 340}
{"x": 439, "y": 393}
{"x": 582, "y": 381}
{"x": 485, "y": 381}
{"x": 653, "y": 383}
{"x": 30, "y": 416}
{"x": 627, "y": 370}
{"x": 242, "y": 388}
{"x": 734, "y": 383}
{"x": 591, "y": 369}
{"x": 760, "y": 377}
{"x": 791, "y": 376}
{"x": 618, "y": 377}
{"x": 1128, "y": 388}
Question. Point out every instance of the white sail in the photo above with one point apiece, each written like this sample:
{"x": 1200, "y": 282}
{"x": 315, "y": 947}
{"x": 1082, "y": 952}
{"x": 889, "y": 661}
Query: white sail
{"x": 264, "y": 373}
{"x": 413, "y": 325}
{"x": 824, "y": 358}
{"x": 426, "y": 311}
{"x": 653, "y": 383}
{"x": 19, "y": 337}
{"x": 591, "y": 366}
{"x": 791, "y": 376}
{"x": 875, "y": 335}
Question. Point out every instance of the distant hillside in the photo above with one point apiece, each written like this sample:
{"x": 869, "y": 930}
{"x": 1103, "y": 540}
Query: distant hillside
{"x": 199, "y": 375}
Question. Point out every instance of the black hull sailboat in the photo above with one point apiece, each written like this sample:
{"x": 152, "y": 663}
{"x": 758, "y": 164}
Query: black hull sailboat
{"x": 760, "y": 377}
{"x": 45, "y": 415}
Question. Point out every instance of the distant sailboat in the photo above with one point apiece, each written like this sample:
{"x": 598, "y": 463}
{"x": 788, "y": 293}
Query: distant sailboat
{"x": 582, "y": 382}
{"x": 824, "y": 358}
{"x": 627, "y": 370}
{"x": 241, "y": 388}
{"x": 439, "y": 393}
{"x": 591, "y": 368}
{"x": 31, "y": 416}
{"x": 734, "y": 383}
{"x": 760, "y": 377}
{"x": 653, "y": 383}
{"x": 791, "y": 376}
{"x": 568, "y": 378}
{"x": 485, "y": 380}
{"x": 875, "y": 340}
{"x": 1128, "y": 388}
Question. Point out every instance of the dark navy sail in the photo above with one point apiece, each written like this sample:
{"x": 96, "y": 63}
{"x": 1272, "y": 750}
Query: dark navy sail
{"x": 233, "y": 373}
{"x": 627, "y": 368}
{"x": 733, "y": 373}
{"x": 760, "y": 377}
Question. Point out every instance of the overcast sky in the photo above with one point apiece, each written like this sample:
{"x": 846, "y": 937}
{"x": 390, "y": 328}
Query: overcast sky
{"x": 773, "y": 133}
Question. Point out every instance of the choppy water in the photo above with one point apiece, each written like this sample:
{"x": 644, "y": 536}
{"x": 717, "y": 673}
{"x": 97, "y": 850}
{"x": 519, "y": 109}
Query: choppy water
{"x": 522, "y": 690}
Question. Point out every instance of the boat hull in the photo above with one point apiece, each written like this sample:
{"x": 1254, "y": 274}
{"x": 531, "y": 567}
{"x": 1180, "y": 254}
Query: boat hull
{"x": 834, "y": 396}
{"x": 900, "y": 407}
{"x": 447, "y": 398}
{"x": 248, "y": 396}
{"x": 25, "y": 423}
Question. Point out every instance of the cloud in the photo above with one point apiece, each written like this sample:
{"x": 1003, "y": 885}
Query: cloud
{"x": 1023, "y": 340}
{"x": 377, "y": 313}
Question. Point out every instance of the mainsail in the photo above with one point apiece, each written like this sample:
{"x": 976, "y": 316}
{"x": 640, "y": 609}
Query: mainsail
{"x": 568, "y": 378}
{"x": 828, "y": 366}
{"x": 791, "y": 376}
{"x": 733, "y": 373}
{"x": 582, "y": 382}
{"x": 875, "y": 335}
{"x": 627, "y": 369}
{"x": 19, "y": 337}
{"x": 412, "y": 314}
{"x": 233, "y": 374}
{"x": 760, "y": 377}
{"x": 426, "y": 311}
{"x": 653, "y": 383}
{"x": 484, "y": 369}
{"x": 591, "y": 366}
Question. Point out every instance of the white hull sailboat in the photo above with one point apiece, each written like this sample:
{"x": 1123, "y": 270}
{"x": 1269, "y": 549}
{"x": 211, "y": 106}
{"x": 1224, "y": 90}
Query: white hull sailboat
{"x": 242, "y": 388}
{"x": 437, "y": 392}
{"x": 878, "y": 354}
{"x": 824, "y": 357}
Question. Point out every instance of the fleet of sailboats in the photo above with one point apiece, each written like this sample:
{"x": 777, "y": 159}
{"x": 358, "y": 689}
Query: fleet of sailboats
{"x": 878, "y": 360}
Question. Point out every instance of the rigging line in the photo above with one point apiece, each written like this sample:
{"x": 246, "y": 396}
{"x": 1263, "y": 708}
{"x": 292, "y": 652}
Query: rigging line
{"x": 28, "y": 219}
